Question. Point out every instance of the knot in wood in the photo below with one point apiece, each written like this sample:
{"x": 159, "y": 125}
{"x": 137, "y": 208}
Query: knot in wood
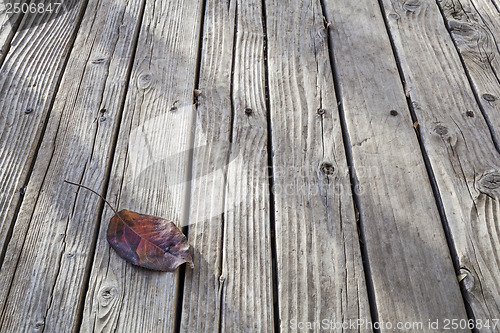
{"x": 99, "y": 61}
{"x": 248, "y": 111}
{"x": 394, "y": 113}
{"x": 470, "y": 114}
{"x": 411, "y": 5}
{"x": 145, "y": 80}
{"x": 489, "y": 184}
{"x": 394, "y": 16}
{"x": 106, "y": 295}
{"x": 39, "y": 325}
{"x": 489, "y": 97}
{"x": 327, "y": 168}
{"x": 441, "y": 130}
{"x": 28, "y": 110}
{"x": 461, "y": 28}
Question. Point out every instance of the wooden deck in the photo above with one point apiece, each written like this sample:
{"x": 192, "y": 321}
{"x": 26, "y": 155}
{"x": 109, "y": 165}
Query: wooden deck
{"x": 335, "y": 164}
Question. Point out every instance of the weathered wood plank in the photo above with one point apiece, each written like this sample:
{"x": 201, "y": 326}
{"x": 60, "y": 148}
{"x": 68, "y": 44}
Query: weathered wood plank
{"x": 149, "y": 174}
{"x": 202, "y": 292}
{"x": 233, "y": 292}
{"x": 47, "y": 260}
{"x": 28, "y": 79}
{"x": 247, "y": 281}
{"x": 460, "y": 148}
{"x": 411, "y": 269}
{"x": 8, "y": 25}
{"x": 475, "y": 28}
{"x": 320, "y": 272}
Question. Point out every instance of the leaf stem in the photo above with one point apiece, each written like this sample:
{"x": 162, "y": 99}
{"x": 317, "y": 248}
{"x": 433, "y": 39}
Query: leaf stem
{"x": 100, "y": 196}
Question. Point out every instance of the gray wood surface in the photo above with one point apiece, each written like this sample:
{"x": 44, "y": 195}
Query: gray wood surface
{"x": 320, "y": 273}
{"x": 413, "y": 277}
{"x": 233, "y": 280}
{"x": 201, "y": 305}
{"x": 247, "y": 300}
{"x": 149, "y": 173}
{"x": 460, "y": 148}
{"x": 475, "y": 28}
{"x": 48, "y": 257}
{"x": 163, "y": 121}
{"x": 8, "y": 26}
{"x": 28, "y": 79}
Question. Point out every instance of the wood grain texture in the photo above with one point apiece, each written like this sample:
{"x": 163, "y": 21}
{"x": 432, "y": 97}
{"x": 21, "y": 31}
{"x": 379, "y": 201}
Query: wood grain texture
{"x": 47, "y": 260}
{"x": 201, "y": 306}
{"x": 411, "y": 269}
{"x": 460, "y": 148}
{"x": 247, "y": 300}
{"x": 230, "y": 291}
{"x": 320, "y": 272}
{"x": 28, "y": 79}
{"x": 8, "y": 27}
{"x": 475, "y": 28}
{"x": 149, "y": 174}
